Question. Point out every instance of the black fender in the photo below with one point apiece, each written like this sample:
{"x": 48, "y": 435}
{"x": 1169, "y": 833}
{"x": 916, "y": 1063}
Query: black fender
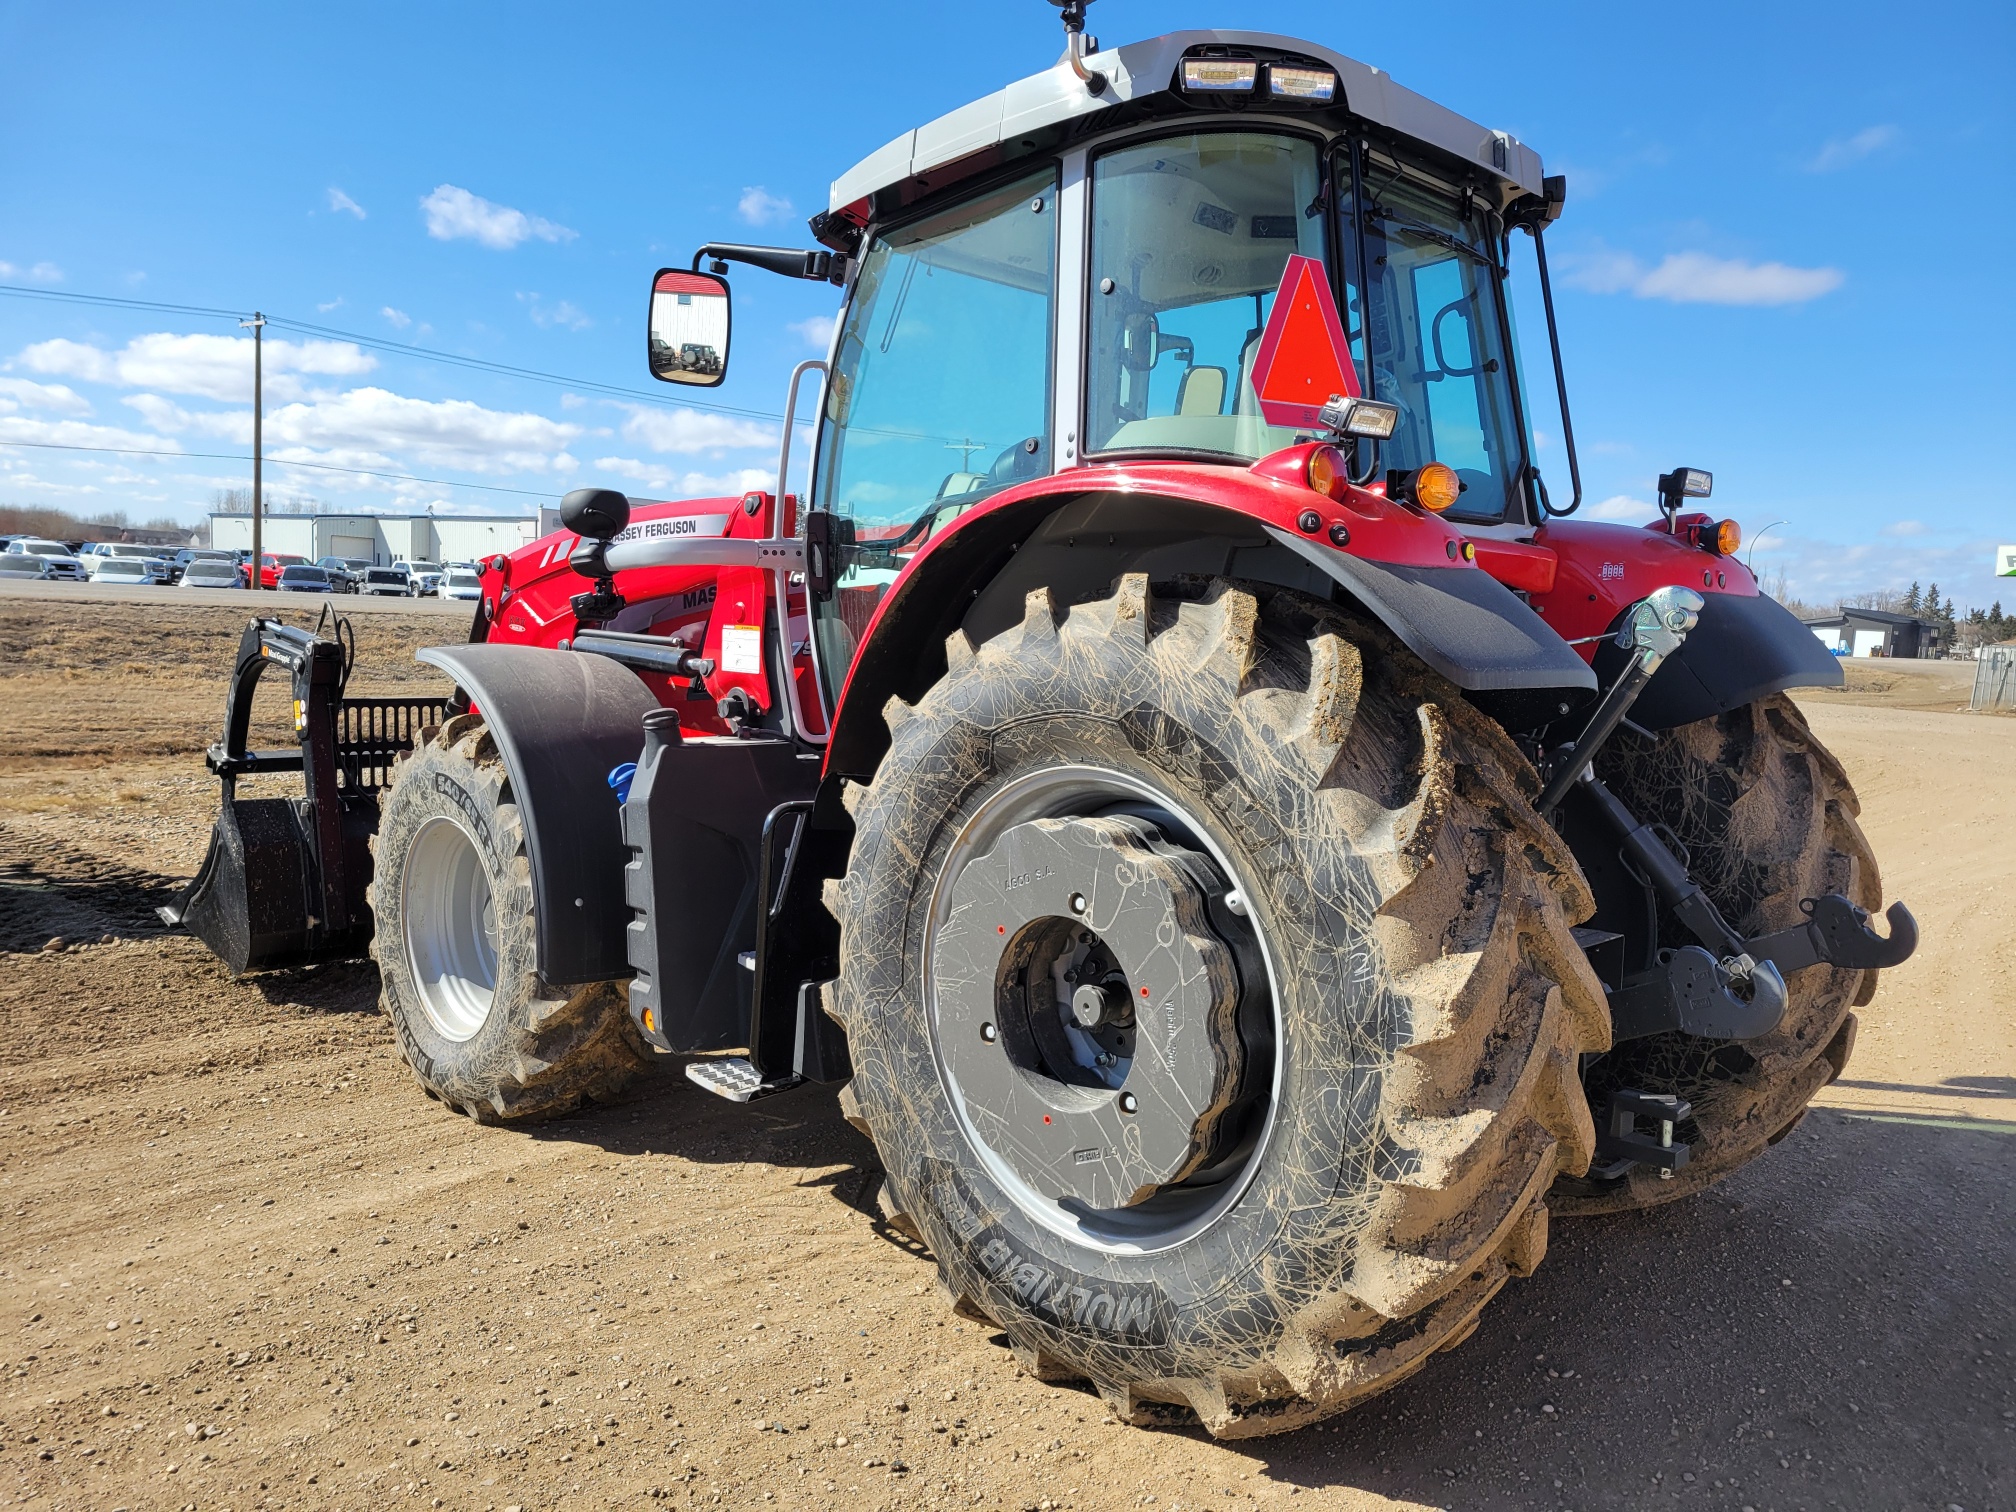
{"x": 1462, "y": 622}
{"x": 1744, "y": 647}
{"x": 562, "y": 721}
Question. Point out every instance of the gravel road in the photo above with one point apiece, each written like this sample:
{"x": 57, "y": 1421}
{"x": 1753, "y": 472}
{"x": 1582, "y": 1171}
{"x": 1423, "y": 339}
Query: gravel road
{"x": 247, "y": 1265}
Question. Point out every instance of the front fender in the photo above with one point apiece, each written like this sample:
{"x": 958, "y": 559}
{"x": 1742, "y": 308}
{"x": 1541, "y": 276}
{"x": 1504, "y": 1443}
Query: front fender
{"x": 1076, "y": 533}
{"x": 562, "y": 721}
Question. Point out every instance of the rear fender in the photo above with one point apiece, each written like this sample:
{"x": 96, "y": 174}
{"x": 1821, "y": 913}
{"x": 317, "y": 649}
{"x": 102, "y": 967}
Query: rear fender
{"x": 1746, "y": 646}
{"x": 1169, "y": 521}
{"x": 562, "y": 722}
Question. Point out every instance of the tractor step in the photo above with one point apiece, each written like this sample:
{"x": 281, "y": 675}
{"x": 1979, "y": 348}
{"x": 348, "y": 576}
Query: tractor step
{"x": 736, "y": 1080}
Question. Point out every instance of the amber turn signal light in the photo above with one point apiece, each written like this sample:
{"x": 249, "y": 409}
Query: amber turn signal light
{"x": 1723, "y": 539}
{"x": 1327, "y": 471}
{"x": 1434, "y": 486}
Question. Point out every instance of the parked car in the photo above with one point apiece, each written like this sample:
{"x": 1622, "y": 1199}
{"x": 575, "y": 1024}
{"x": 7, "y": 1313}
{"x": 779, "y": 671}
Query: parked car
{"x": 213, "y": 572}
{"x": 178, "y": 564}
{"x": 57, "y": 559}
{"x": 345, "y": 573}
{"x": 16, "y": 565}
{"x": 306, "y": 577}
{"x": 98, "y": 553}
{"x": 271, "y": 565}
{"x": 423, "y": 578}
{"x": 124, "y": 571}
{"x": 386, "y": 580}
{"x": 461, "y": 583}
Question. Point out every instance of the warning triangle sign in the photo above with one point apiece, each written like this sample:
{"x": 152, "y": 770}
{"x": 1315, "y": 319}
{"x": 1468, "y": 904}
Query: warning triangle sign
{"x": 1303, "y": 360}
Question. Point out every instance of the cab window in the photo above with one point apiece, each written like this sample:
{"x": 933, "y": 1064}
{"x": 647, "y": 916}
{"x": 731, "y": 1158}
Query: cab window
{"x": 1190, "y": 235}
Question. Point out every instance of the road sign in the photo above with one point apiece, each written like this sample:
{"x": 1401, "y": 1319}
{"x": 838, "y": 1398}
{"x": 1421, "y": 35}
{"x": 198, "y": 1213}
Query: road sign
{"x": 2005, "y": 561}
{"x": 1303, "y": 359}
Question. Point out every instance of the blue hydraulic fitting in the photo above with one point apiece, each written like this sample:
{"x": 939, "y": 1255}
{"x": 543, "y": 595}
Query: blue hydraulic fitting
{"x": 620, "y": 779}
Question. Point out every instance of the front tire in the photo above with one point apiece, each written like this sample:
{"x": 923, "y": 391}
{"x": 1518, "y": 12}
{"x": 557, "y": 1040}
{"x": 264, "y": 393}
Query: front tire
{"x": 1767, "y": 817}
{"x": 455, "y": 943}
{"x": 1389, "y": 1092}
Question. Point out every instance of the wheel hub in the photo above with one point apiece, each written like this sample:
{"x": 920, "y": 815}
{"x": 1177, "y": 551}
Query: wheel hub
{"x": 1086, "y": 1011}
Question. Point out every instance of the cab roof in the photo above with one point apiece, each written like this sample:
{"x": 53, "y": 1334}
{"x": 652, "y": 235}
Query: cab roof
{"x": 973, "y": 137}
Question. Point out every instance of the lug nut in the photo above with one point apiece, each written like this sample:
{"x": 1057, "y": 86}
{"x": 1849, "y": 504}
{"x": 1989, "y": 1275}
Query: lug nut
{"x": 989, "y": 1033}
{"x": 1128, "y": 1103}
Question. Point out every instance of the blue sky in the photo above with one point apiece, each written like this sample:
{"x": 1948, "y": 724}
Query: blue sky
{"x": 1786, "y": 255}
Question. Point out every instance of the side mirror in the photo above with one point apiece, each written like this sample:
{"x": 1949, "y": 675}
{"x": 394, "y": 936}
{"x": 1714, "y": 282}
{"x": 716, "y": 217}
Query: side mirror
{"x": 689, "y": 328}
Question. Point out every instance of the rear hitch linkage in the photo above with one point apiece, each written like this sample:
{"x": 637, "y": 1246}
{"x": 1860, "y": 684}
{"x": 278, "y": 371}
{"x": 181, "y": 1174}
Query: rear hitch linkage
{"x": 1726, "y": 987}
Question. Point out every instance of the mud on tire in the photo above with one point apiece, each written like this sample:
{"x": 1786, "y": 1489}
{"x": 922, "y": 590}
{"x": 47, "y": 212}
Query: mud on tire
{"x": 1430, "y": 1004}
{"x": 510, "y": 1048}
{"x": 1768, "y": 817}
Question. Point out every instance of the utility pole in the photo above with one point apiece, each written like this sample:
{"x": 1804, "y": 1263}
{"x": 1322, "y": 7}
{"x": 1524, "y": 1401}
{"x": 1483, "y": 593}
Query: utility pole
{"x": 257, "y": 325}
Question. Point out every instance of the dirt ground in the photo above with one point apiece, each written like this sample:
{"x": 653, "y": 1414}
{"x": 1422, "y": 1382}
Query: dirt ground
{"x": 244, "y": 1264}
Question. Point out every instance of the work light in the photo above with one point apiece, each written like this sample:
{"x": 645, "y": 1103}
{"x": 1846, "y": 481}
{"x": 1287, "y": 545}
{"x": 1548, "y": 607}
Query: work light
{"x": 1371, "y": 418}
{"x": 1220, "y": 75}
{"x": 1316, "y": 85}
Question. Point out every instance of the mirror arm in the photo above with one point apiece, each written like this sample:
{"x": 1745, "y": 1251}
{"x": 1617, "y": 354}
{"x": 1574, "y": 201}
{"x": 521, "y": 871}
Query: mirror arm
{"x": 820, "y": 266}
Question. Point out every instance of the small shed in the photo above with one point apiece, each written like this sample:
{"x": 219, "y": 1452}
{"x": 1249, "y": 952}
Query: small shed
{"x": 1879, "y": 632}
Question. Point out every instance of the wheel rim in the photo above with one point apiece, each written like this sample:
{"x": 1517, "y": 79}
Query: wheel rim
{"x": 1057, "y": 1070}
{"x": 450, "y": 921}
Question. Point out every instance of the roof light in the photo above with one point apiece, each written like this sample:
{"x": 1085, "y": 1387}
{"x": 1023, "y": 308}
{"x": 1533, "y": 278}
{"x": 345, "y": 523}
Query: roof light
{"x": 1220, "y": 75}
{"x": 1349, "y": 416}
{"x": 1317, "y": 85}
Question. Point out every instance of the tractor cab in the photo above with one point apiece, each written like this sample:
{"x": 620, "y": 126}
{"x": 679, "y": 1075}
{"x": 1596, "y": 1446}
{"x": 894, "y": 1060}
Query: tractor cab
{"x": 1080, "y": 271}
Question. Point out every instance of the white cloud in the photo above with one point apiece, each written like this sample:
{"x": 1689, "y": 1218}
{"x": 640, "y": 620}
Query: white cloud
{"x": 1624, "y": 509}
{"x": 42, "y": 272}
{"x": 688, "y": 430}
{"x": 397, "y": 319}
{"x": 334, "y": 304}
{"x": 167, "y": 416}
{"x": 1843, "y": 151}
{"x": 443, "y": 433}
{"x": 214, "y": 367}
{"x": 673, "y": 483}
{"x": 563, "y": 314}
{"x": 453, "y": 214}
{"x": 1697, "y": 278}
{"x": 76, "y": 433}
{"x": 338, "y": 200}
{"x": 759, "y": 207}
{"x": 1907, "y": 528}
{"x": 817, "y": 331}
{"x": 57, "y": 398}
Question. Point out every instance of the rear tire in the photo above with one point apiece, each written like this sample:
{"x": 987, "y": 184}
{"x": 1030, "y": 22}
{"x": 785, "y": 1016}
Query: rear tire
{"x": 455, "y": 943}
{"x": 1408, "y": 1105}
{"x": 1768, "y": 817}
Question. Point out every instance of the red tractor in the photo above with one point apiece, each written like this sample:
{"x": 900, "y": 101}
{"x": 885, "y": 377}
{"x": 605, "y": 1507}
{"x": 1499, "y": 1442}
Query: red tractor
{"x": 1246, "y": 854}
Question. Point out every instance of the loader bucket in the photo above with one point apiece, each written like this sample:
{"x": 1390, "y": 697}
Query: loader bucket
{"x": 284, "y": 880}
{"x": 250, "y": 901}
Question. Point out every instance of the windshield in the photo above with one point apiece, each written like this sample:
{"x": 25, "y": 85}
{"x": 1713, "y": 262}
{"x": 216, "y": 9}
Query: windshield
{"x": 1438, "y": 336}
{"x": 1189, "y": 237}
{"x": 41, "y": 548}
{"x": 940, "y": 393}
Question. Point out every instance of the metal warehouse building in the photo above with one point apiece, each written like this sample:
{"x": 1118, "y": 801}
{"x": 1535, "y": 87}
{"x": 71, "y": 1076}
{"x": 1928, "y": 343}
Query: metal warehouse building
{"x": 384, "y": 538}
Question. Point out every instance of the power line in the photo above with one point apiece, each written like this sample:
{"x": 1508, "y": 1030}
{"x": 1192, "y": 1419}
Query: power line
{"x": 404, "y": 349}
{"x": 362, "y": 472}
